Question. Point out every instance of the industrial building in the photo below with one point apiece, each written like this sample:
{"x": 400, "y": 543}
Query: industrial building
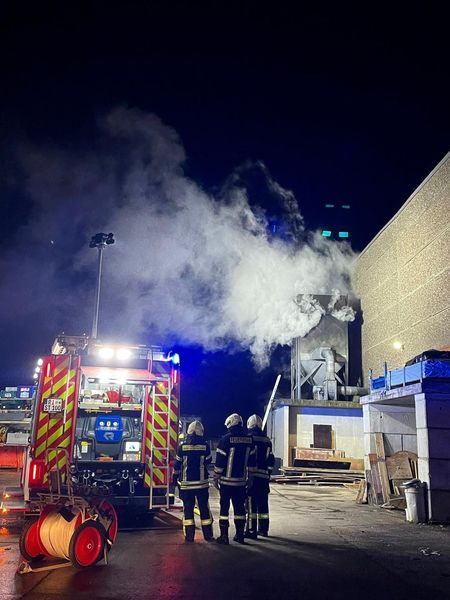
{"x": 402, "y": 279}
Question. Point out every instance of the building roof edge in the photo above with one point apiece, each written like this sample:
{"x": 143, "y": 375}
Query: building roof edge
{"x": 427, "y": 178}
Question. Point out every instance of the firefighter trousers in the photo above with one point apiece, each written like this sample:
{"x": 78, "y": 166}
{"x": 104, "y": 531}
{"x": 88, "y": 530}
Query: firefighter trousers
{"x": 258, "y": 506}
{"x": 236, "y": 495}
{"x": 189, "y": 497}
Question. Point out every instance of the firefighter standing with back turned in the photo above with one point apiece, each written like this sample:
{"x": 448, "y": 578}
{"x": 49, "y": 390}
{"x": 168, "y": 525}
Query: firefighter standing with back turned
{"x": 259, "y": 476}
{"x": 191, "y": 474}
{"x": 234, "y": 453}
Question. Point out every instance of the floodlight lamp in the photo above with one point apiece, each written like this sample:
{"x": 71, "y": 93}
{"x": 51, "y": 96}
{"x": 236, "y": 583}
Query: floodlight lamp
{"x": 397, "y": 345}
{"x": 106, "y": 353}
{"x": 39, "y": 362}
{"x": 123, "y": 353}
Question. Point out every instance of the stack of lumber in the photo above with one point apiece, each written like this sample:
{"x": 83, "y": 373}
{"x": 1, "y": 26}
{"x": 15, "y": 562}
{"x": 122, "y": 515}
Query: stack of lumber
{"x": 310, "y": 476}
{"x": 388, "y": 473}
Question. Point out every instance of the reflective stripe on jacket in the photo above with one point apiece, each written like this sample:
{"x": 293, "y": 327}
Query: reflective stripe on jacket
{"x": 235, "y": 453}
{"x": 191, "y": 462}
{"x": 264, "y": 458}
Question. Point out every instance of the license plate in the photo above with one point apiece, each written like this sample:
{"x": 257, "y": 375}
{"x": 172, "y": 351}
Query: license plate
{"x": 53, "y": 405}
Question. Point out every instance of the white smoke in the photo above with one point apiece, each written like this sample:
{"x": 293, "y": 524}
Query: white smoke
{"x": 187, "y": 267}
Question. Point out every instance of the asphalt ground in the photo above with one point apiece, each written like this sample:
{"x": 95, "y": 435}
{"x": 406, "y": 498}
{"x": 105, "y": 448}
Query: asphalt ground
{"x": 321, "y": 546}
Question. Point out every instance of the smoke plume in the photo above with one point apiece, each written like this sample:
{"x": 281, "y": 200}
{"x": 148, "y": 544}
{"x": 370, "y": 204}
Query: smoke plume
{"x": 187, "y": 267}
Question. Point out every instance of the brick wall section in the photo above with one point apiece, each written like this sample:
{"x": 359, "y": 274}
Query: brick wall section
{"x": 403, "y": 278}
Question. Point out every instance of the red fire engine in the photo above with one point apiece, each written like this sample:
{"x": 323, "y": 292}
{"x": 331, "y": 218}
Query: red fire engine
{"x": 103, "y": 435}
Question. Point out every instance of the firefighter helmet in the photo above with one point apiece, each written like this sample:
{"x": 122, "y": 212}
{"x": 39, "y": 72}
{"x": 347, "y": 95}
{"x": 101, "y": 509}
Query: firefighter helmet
{"x": 233, "y": 420}
{"x": 254, "y": 421}
{"x": 195, "y": 427}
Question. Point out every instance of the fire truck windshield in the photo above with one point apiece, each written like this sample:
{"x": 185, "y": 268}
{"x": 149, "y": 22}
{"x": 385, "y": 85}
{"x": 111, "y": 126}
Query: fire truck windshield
{"x": 103, "y": 392}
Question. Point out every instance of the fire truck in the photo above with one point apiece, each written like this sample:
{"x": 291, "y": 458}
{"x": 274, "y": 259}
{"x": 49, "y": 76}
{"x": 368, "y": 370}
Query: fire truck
{"x": 106, "y": 417}
{"x": 103, "y": 435}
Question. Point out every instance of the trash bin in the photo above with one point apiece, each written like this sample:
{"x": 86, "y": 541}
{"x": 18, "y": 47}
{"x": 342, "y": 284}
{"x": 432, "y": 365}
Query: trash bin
{"x": 415, "y": 501}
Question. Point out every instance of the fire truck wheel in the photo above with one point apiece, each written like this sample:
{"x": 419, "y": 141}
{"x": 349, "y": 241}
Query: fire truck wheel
{"x": 87, "y": 544}
{"x": 29, "y": 544}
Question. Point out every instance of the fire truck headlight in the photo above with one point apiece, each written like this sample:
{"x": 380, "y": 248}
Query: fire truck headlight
{"x": 123, "y": 353}
{"x": 106, "y": 353}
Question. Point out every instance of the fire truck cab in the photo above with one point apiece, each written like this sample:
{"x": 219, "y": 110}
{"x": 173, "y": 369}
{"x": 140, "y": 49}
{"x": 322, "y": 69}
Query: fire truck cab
{"x": 106, "y": 418}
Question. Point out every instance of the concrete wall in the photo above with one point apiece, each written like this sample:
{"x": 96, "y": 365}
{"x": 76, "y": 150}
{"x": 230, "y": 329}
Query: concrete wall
{"x": 403, "y": 278}
{"x": 278, "y": 431}
{"x": 398, "y": 425}
{"x": 291, "y": 426}
{"x": 347, "y": 428}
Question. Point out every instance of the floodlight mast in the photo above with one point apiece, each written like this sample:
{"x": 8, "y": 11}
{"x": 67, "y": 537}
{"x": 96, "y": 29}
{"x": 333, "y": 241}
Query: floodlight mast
{"x": 99, "y": 241}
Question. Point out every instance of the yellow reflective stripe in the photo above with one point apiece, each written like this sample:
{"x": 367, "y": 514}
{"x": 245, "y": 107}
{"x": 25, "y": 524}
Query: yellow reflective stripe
{"x": 223, "y": 518}
{"x": 239, "y": 517}
{"x": 194, "y": 447}
{"x": 158, "y": 474}
{"x": 206, "y": 521}
{"x": 160, "y": 438}
{"x": 61, "y": 383}
{"x": 159, "y": 420}
{"x": 41, "y": 431}
{"x": 147, "y": 480}
{"x": 263, "y": 516}
{"x": 40, "y": 449}
{"x": 161, "y": 404}
{"x": 60, "y": 368}
{"x": 188, "y": 522}
{"x": 58, "y": 433}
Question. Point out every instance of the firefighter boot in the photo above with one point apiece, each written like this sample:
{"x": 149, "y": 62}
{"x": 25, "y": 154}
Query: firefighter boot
{"x": 223, "y": 538}
{"x": 239, "y": 537}
{"x": 263, "y": 527}
{"x": 251, "y": 530}
{"x": 208, "y": 533}
{"x": 189, "y": 533}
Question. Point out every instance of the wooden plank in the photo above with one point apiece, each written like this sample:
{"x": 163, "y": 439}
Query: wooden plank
{"x": 379, "y": 445}
{"x": 320, "y": 470}
{"x": 399, "y": 466}
{"x": 362, "y": 492}
{"x": 376, "y": 481}
{"x": 382, "y": 469}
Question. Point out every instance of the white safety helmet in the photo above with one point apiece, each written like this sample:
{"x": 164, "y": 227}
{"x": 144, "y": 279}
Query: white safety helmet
{"x": 254, "y": 421}
{"x": 195, "y": 427}
{"x": 233, "y": 420}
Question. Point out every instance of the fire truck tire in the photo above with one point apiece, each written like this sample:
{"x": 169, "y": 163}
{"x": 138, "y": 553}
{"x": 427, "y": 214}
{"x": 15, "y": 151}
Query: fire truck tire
{"x": 29, "y": 544}
{"x": 87, "y": 544}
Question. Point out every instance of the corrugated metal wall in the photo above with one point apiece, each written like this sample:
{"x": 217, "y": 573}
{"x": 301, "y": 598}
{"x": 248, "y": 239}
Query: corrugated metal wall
{"x": 403, "y": 278}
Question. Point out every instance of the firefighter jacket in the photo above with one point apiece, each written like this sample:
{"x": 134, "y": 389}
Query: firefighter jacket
{"x": 235, "y": 453}
{"x": 191, "y": 462}
{"x": 264, "y": 458}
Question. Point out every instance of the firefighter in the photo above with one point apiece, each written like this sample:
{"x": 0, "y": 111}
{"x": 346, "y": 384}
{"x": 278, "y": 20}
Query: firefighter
{"x": 191, "y": 475}
{"x": 234, "y": 453}
{"x": 258, "y": 485}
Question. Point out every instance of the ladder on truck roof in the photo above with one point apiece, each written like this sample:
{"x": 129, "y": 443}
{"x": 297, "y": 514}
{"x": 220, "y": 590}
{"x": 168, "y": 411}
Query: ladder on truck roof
{"x": 158, "y": 436}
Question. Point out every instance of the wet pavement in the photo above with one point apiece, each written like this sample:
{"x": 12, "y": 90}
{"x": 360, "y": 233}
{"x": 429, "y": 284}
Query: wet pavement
{"x": 322, "y": 545}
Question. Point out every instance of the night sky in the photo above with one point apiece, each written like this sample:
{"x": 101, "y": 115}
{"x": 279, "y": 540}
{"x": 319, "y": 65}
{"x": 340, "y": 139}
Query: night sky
{"x": 344, "y": 103}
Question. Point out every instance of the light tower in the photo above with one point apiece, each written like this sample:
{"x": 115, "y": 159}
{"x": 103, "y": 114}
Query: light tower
{"x": 99, "y": 241}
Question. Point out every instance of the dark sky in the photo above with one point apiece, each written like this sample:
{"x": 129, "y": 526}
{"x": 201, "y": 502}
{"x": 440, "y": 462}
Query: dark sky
{"x": 343, "y": 102}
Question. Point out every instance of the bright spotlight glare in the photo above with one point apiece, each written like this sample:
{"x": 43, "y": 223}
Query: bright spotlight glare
{"x": 397, "y": 345}
{"x": 175, "y": 359}
{"x": 106, "y": 353}
{"x": 37, "y": 370}
{"x": 123, "y": 353}
{"x": 39, "y": 362}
